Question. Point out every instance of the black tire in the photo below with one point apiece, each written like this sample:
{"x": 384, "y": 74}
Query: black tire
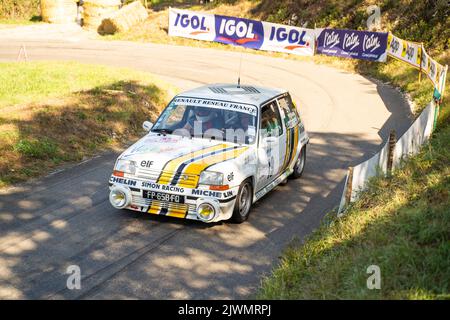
{"x": 242, "y": 206}
{"x": 299, "y": 164}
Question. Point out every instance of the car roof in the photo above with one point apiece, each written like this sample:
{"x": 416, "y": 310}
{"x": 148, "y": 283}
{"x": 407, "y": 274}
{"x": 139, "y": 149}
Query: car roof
{"x": 248, "y": 94}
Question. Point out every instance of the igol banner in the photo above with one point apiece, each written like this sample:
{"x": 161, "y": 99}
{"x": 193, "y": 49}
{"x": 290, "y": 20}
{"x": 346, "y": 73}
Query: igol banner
{"x": 247, "y": 33}
{"x": 364, "y": 45}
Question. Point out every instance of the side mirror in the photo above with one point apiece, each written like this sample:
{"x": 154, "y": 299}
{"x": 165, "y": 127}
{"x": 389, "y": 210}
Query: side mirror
{"x": 147, "y": 125}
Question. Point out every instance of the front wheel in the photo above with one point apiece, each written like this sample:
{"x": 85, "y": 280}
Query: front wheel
{"x": 300, "y": 164}
{"x": 244, "y": 201}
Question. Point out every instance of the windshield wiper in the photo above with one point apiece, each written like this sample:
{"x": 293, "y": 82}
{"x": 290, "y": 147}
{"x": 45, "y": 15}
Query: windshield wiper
{"x": 163, "y": 131}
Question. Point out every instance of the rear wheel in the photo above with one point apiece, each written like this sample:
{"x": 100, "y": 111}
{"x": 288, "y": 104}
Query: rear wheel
{"x": 300, "y": 164}
{"x": 244, "y": 201}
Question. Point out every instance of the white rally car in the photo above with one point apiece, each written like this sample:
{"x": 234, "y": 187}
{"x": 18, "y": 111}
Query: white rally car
{"x": 211, "y": 154}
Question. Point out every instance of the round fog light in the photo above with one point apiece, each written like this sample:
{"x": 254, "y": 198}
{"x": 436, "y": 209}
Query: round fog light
{"x": 118, "y": 198}
{"x": 206, "y": 212}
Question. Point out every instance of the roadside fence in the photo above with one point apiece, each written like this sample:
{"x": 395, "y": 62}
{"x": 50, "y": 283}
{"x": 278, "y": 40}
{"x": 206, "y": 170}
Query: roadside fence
{"x": 390, "y": 157}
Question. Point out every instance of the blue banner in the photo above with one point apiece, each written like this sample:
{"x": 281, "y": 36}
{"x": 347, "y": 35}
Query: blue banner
{"x": 353, "y": 44}
{"x": 238, "y": 31}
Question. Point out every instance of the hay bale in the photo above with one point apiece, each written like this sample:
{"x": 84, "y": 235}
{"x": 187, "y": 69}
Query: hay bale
{"x": 94, "y": 11}
{"x": 59, "y": 11}
{"x": 124, "y": 19}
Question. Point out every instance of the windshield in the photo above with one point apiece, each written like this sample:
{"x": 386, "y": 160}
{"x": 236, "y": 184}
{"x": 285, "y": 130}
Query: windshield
{"x": 233, "y": 123}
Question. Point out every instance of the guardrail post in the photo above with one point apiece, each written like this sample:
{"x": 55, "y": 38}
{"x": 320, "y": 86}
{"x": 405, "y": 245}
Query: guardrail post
{"x": 348, "y": 191}
{"x": 436, "y": 114}
{"x": 420, "y": 63}
{"x": 390, "y": 160}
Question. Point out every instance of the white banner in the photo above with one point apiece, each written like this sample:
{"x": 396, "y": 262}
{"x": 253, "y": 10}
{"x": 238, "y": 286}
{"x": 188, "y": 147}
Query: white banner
{"x": 190, "y": 24}
{"x": 403, "y": 50}
{"x": 288, "y": 39}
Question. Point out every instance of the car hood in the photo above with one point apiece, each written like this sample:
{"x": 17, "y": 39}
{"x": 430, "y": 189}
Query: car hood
{"x": 154, "y": 150}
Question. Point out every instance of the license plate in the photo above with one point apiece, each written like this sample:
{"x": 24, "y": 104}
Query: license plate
{"x": 161, "y": 196}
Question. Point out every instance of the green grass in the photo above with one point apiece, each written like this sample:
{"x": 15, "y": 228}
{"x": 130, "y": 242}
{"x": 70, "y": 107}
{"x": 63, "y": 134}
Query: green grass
{"x": 39, "y": 149}
{"x": 401, "y": 224}
{"x": 56, "y": 112}
{"x": 34, "y": 81}
{"x": 17, "y": 22}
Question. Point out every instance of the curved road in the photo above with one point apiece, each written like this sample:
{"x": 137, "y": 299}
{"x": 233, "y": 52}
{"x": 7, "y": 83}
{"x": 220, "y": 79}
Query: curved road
{"x": 66, "y": 219}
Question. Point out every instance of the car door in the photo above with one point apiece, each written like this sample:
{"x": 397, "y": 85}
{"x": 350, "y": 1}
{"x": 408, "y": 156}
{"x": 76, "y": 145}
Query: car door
{"x": 291, "y": 122}
{"x": 271, "y": 144}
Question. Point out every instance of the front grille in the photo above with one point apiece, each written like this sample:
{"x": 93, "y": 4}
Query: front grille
{"x": 140, "y": 201}
{"x": 148, "y": 174}
{"x": 166, "y": 177}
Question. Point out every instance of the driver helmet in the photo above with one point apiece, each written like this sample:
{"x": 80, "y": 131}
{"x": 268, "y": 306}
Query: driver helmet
{"x": 203, "y": 114}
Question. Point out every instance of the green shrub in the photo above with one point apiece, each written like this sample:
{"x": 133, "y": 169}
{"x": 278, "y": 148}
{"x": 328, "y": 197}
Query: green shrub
{"x": 40, "y": 149}
{"x": 14, "y": 9}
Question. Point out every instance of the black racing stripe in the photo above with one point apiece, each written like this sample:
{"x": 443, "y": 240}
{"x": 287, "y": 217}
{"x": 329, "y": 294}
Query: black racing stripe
{"x": 163, "y": 211}
{"x": 292, "y": 143}
{"x": 291, "y": 147}
{"x": 220, "y": 200}
{"x": 180, "y": 169}
{"x": 162, "y": 170}
{"x": 132, "y": 189}
{"x": 227, "y": 200}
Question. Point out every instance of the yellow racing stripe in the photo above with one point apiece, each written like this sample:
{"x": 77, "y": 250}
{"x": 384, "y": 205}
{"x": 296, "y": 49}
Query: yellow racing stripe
{"x": 154, "y": 208}
{"x": 170, "y": 168}
{"x": 177, "y": 213}
{"x": 294, "y": 152}
{"x": 195, "y": 168}
{"x": 286, "y": 153}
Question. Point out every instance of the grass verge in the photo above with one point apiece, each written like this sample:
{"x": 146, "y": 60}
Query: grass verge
{"x": 57, "y": 112}
{"x": 400, "y": 224}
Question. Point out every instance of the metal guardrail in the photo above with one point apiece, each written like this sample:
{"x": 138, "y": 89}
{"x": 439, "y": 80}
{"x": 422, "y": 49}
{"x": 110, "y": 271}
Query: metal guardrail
{"x": 390, "y": 156}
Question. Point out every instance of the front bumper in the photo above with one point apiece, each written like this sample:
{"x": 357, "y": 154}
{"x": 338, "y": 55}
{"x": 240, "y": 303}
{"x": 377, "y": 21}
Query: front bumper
{"x": 223, "y": 201}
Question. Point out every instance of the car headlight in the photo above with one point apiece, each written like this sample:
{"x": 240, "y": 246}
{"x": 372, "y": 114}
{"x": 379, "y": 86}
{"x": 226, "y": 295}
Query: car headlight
{"x": 207, "y": 209}
{"x": 119, "y": 197}
{"x": 206, "y": 212}
{"x": 211, "y": 178}
{"x": 126, "y": 166}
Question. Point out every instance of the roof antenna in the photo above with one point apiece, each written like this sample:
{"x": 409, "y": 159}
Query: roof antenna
{"x": 239, "y": 77}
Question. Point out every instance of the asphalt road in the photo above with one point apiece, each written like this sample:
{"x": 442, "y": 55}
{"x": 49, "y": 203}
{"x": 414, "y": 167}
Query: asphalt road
{"x": 66, "y": 219}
